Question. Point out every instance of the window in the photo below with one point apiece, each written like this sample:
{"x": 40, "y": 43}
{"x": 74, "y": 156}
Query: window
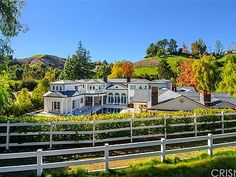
{"x": 56, "y": 105}
{"x": 82, "y": 100}
{"x": 61, "y": 88}
{"x": 93, "y": 87}
{"x": 110, "y": 98}
{"x": 76, "y": 87}
{"x": 53, "y": 87}
{"x": 140, "y": 87}
{"x": 132, "y": 87}
{"x": 56, "y": 87}
{"x": 73, "y": 104}
{"x": 117, "y": 98}
{"x": 145, "y": 87}
{"x": 123, "y": 98}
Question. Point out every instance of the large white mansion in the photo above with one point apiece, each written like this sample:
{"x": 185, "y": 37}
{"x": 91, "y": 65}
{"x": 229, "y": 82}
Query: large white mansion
{"x": 88, "y": 96}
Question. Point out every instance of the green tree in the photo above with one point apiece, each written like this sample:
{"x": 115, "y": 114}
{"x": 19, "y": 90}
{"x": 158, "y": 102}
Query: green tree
{"x": 103, "y": 69}
{"x": 4, "y": 96}
{"x": 228, "y": 75}
{"x": 10, "y": 26}
{"x": 39, "y": 91}
{"x": 172, "y": 49}
{"x": 198, "y": 48}
{"x": 78, "y": 66}
{"x": 162, "y": 47}
{"x": 206, "y": 73}
{"x": 164, "y": 70}
{"x": 23, "y": 101}
{"x": 151, "y": 51}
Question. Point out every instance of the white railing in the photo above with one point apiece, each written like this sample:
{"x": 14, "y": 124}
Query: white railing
{"x": 106, "y": 159}
{"x": 93, "y": 132}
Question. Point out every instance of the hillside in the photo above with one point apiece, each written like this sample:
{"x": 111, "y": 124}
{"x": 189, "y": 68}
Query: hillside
{"x": 148, "y": 65}
{"x": 48, "y": 60}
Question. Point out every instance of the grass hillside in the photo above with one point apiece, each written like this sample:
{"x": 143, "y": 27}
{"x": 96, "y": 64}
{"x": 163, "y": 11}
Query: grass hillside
{"x": 48, "y": 60}
{"x": 148, "y": 65}
{"x": 197, "y": 166}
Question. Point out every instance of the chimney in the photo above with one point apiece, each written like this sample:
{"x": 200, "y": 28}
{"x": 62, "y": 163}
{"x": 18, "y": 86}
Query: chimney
{"x": 128, "y": 79}
{"x": 205, "y": 98}
{"x": 154, "y": 96}
{"x": 174, "y": 88}
{"x": 105, "y": 79}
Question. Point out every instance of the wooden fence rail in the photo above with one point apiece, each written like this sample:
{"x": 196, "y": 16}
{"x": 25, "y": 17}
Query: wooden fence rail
{"x": 51, "y": 132}
{"x": 40, "y": 165}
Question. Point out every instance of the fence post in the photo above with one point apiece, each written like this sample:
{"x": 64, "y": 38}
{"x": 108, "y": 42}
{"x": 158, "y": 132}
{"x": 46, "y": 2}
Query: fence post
{"x": 94, "y": 133}
{"x": 222, "y": 123}
{"x": 163, "y": 149}
{"x": 8, "y": 135}
{"x": 195, "y": 124}
{"x": 131, "y": 129}
{"x": 51, "y": 133}
{"x": 165, "y": 133}
{"x": 106, "y": 154}
{"x": 39, "y": 162}
{"x": 210, "y": 144}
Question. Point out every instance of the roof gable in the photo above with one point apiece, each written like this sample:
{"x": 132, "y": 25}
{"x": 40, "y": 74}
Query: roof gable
{"x": 117, "y": 87}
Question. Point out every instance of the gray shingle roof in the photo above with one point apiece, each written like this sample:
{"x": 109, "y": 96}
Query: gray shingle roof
{"x": 142, "y": 96}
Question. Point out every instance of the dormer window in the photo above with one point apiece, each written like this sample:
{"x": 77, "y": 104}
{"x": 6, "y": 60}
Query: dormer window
{"x": 53, "y": 88}
{"x": 56, "y": 87}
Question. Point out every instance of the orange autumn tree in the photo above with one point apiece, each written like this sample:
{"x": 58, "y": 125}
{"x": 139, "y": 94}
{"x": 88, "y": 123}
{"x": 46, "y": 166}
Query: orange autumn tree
{"x": 186, "y": 76}
{"x": 122, "y": 69}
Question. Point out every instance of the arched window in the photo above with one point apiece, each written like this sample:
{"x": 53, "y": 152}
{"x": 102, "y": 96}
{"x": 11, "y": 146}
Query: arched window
{"x": 123, "y": 98}
{"x": 110, "y": 98}
{"x": 117, "y": 98}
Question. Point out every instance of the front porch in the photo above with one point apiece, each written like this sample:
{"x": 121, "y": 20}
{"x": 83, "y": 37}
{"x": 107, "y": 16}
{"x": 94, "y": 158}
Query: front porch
{"x": 95, "y": 100}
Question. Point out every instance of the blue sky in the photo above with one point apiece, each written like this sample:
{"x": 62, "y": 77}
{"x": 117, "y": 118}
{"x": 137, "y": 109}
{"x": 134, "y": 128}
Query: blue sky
{"x": 121, "y": 30}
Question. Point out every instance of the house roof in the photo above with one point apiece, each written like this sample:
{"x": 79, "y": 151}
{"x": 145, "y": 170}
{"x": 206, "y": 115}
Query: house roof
{"x": 142, "y": 96}
{"x": 121, "y": 86}
{"x": 140, "y": 81}
{"x": 64, "y": 82}
{"x": 161, "y": 81}
{"x": 216, "y": 98}
{"x": 61, "y": 94}
{"x": 95, "y": 81}
{"x": 186, "y": 89}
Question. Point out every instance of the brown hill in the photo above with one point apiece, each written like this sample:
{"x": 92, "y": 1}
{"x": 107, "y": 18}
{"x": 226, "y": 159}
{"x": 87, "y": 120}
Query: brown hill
{"x": 48, "y": 60}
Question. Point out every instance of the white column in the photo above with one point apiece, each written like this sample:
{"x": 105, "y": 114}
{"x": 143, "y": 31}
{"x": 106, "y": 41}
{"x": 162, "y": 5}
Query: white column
{"x": 102, "y": 100}
{"x": 61, "y": 107}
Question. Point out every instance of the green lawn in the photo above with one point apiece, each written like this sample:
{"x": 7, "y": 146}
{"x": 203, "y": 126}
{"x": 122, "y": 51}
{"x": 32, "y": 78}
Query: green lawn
{"x": 197, "y": 166}
{"x": 148, "y": 66}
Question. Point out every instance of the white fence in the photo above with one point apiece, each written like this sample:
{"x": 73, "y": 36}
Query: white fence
{"x": 131, "y": 128}
{"x": 40, "y": 165}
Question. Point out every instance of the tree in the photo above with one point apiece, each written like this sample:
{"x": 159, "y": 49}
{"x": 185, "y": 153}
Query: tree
{"x": 127, "y": 69}
{"x": 102, "y": 70}
{"x": 219, "y": 48}
{"x": 184, "y": 48}
{"x": 122, "y": 69}
{"x": 164, "y": 70}
{"x": 186, "y": 76}
{"x": 39, "y": 91}
{"x": 198, "y": 48}
{"x": 10, "y": 26}
{"x": 228, "y": 75}
{"x": 4, "y": 96}
{"x": 151, "y": 51}
{"x": 172, "y": 49}
{"x": 161, "y": 46}
{"x": 78, "y": 66}
{"x": 206, "y": 73}
{"x": 23, "y": 101}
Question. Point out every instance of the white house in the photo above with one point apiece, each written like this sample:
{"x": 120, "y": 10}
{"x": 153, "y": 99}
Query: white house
{"x": 88, "y": 96}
